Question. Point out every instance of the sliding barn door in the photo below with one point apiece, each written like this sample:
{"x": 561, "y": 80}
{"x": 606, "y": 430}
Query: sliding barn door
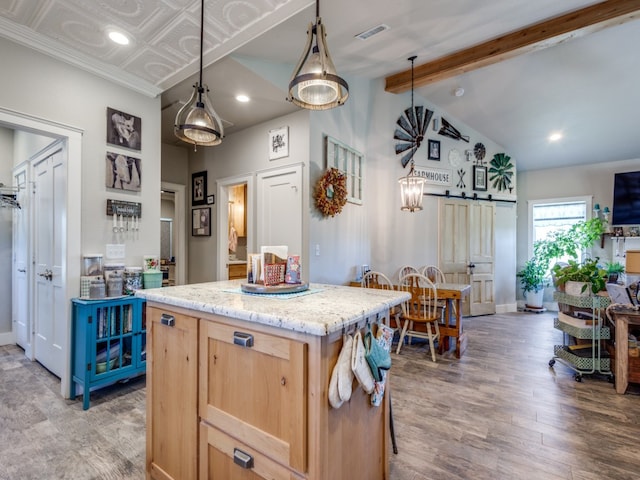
{"x": 466, "y": 251}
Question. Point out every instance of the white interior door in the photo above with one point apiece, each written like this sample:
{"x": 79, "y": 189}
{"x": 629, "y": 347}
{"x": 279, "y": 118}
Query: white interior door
{"x": 467, "y": 250}
{"x": 279, "y": 208}
{"x": 50, "y": 336}
{"x": 21, "y": 265}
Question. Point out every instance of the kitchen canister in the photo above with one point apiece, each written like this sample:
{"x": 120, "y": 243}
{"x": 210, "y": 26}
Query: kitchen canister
{"x": 85, "y": 286}
{"x": 114, "y": 285}
{"x": 151, "y": 263}
{"x": 97, "y": 288}
{"x": 92, "y": 264}
{"x": 132, "y": 280}
{"x": 152, "y": 279}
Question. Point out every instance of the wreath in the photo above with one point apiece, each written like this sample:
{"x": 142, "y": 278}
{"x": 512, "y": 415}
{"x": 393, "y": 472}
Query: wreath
{"x": 331, "y": 192}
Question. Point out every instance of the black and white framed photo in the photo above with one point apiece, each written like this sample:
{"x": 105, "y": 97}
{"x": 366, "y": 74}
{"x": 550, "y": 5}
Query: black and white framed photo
{"x": 122, "y": 172}
{"x": 480, "y": 178}
{"x": 199, "y": 188}
{"x": 123, "y": 129}
{"x": 201, "y": 222}
{"x": 434, "y": 150}
{"x": 278, "y": 143}
{"x": 211, "y": 199}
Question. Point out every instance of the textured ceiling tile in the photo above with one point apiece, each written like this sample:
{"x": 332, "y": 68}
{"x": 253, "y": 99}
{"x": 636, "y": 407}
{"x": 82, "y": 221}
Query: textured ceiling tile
{"x": 150, "y": 65}
{"x": 19, "y": 11}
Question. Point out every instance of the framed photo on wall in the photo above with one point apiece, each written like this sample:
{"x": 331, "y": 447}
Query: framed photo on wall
{"x": 123, "y": 172}
{"x": 434, "y": 150}
{"x": 123, "y": 129}
{"x": 199, "y": 188}
{"x": 201, "y": 222}
{"x": 278, "y": 143}
{"x": 480, "y": 178}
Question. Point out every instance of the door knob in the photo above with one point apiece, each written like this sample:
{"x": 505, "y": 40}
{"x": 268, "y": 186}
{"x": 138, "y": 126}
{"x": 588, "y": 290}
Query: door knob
{"x": 22, "y": 270}
{"x": 471, "y": 267}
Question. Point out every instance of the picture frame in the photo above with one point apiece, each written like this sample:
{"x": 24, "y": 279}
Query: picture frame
{"x": 480, "y": 178}
{"x": 199, "y": 188}
{"x": 123, "y": 172}
{"x": 434, "y": 150}
{"x": 201, "y": 222}
{"x": 618, "y": 232}
{"x": 278, "y": 143}
{"x": 211, "y": 199}
{"x": 123, "y": 129}
{"x": 634, "y": 231}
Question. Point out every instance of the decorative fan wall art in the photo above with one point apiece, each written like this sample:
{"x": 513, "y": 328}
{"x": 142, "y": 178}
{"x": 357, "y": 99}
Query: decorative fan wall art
{"x": 479, "y": 152}
{"x": 410, "y": 131}
{"x": 501, "y": 172}
{"x": 450, "y": 131}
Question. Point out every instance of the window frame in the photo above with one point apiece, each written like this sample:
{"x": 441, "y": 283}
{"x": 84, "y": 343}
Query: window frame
{"x": 346, "y": 163}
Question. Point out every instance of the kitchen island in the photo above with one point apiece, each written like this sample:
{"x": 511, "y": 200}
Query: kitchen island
{"x": 237, "y": 384}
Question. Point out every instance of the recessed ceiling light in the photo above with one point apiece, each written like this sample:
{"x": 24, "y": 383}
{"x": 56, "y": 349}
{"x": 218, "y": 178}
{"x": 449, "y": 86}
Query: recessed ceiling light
{"x": 242, "y": 98}
{"x": 555, "y": 136}
{"x": 118, "y": 37}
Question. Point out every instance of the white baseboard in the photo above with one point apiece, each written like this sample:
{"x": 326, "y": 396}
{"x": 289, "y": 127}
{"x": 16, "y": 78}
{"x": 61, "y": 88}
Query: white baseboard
{"x": 7, "y": 338}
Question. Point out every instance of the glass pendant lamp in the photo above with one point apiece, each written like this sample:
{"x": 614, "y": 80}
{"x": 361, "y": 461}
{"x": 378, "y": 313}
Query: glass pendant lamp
{"x": 411, "y": 191}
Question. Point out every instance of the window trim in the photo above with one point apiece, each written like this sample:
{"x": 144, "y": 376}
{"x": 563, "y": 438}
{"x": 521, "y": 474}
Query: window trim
{"x": 333, "y": 160}
{"x": 587, "y": 199}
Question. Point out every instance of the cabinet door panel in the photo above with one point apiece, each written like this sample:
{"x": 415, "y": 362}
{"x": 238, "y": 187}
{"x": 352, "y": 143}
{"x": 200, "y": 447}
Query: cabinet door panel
{"x": 217, "y": 459}
{"x": 172, "y": 405}
{"x": 256, "y": 393}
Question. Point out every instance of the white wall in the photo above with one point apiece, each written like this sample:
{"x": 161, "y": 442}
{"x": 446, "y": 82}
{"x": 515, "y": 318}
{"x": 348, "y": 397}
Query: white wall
{"x": 70, "y": 97}
{"x": 595, "y": 179}
{"x": 243, "y": 153}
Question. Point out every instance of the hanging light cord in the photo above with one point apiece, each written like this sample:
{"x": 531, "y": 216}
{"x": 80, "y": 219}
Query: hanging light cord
{"x": 200, "y": 87}
{"x": 413, "y": 140}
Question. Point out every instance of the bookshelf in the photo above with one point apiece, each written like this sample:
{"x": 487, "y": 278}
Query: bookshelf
{"x": 108, "y": 343}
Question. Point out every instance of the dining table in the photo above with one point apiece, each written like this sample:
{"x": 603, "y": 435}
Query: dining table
{"x": 451, "y": 330}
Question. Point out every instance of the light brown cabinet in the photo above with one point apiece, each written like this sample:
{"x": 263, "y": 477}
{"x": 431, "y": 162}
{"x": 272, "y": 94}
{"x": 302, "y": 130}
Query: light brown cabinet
{"x": 263, "y": 410}
{"x": 237, "y": 270}
{"x": 172, "y": 400}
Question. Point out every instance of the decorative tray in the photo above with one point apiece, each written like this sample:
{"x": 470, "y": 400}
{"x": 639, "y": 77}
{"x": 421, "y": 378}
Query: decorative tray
{"x": 274, "y": 289}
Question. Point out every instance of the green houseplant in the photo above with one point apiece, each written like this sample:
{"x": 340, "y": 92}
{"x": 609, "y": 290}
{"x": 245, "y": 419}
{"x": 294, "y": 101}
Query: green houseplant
{"x": 614, "y": 269}
{"x": 588, "y": 272}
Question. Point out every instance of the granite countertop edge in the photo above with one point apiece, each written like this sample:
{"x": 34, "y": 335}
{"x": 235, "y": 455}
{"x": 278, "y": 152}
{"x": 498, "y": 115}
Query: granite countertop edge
{"x": 324, "y": 310}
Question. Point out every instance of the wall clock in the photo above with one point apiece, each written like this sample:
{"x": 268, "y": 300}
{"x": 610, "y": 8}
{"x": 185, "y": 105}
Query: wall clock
{"x": 410, "y": 130}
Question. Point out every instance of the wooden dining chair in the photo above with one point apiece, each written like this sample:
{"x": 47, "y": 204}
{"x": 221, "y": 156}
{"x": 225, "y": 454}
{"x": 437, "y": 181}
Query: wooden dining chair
{"x": 406, "y": 270}
{"x": 434, "y": 274}
{"x": 420, "y": 309}
{"x": 373, "y": 279}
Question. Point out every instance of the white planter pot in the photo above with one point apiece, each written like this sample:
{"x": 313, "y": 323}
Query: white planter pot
{"x": 534, "y": 299}
{"x": 575, "y": 288}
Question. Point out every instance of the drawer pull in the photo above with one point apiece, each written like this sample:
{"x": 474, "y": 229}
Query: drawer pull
{"x": 243, "y": 459}
{"x": 242, "y": 339}
{"x": 168, "y": 320}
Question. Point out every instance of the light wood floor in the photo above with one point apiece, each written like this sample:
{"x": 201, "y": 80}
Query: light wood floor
{"x": 498, "y": 413}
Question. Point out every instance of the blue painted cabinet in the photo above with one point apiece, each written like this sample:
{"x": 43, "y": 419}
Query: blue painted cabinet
{"x": 108, "y": 342}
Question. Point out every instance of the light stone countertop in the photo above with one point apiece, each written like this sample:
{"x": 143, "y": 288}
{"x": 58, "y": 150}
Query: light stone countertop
{"x": 327, "y": 309}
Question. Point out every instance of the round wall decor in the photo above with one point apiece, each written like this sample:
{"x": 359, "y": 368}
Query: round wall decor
{"x": 331, "y": 192}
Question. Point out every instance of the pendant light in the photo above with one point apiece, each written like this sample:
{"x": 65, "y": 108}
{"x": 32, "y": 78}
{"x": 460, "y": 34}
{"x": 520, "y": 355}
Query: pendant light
{"x": 412, "y": 186}
{"x": 197, "y": 122}
{"x": 315, "y": 84}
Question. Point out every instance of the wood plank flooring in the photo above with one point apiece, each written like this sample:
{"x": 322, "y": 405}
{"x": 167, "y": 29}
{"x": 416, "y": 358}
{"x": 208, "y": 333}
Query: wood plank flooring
{"x": 497, "y": 413}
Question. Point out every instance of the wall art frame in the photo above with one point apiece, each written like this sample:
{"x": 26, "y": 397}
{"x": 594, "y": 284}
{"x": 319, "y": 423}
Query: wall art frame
{"x": 123, "y": 172}
{"x": 201, "y": 222}
{"x": 199, "y": 188}
{"x": 434, "y": 150}
{"x": 279, "y": 143}
{"x": 480, "y": 178}
{"x": 123, "y": 129}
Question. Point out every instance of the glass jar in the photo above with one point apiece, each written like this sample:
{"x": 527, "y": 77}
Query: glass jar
{"x": 97, "y": 288}
{"x": 132, "y": 280}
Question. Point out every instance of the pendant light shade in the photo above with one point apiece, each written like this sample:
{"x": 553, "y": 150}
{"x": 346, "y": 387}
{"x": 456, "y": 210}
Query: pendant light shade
{"x": 315, "y": 84}
{"x": 197, "y": 122}
{"x": 412, "y": 186}
{"x": 411, "y": 191}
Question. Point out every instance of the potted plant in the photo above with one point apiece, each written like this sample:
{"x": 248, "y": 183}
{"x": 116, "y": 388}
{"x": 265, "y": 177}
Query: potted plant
{"x": 533, "y": 279}
{"x": 614, "y": 269}
{"x": 578, "y": 277}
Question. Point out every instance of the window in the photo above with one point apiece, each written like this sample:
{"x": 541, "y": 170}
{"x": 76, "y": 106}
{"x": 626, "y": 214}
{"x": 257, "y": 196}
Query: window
{"x": 546, "y": 216}
{"x": 348, "y": 161}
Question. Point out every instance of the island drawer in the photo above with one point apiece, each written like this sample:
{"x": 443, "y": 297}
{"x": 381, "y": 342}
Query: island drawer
{"x": 222, "y": 457}
{"x": 253, "y": 386}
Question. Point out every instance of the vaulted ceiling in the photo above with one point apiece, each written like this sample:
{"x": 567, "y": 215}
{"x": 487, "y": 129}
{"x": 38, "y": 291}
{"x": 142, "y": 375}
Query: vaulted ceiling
{"x": 583, "y": 85}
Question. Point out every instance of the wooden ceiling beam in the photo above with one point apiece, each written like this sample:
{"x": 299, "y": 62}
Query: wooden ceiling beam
{"x": 538, "y": 36}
